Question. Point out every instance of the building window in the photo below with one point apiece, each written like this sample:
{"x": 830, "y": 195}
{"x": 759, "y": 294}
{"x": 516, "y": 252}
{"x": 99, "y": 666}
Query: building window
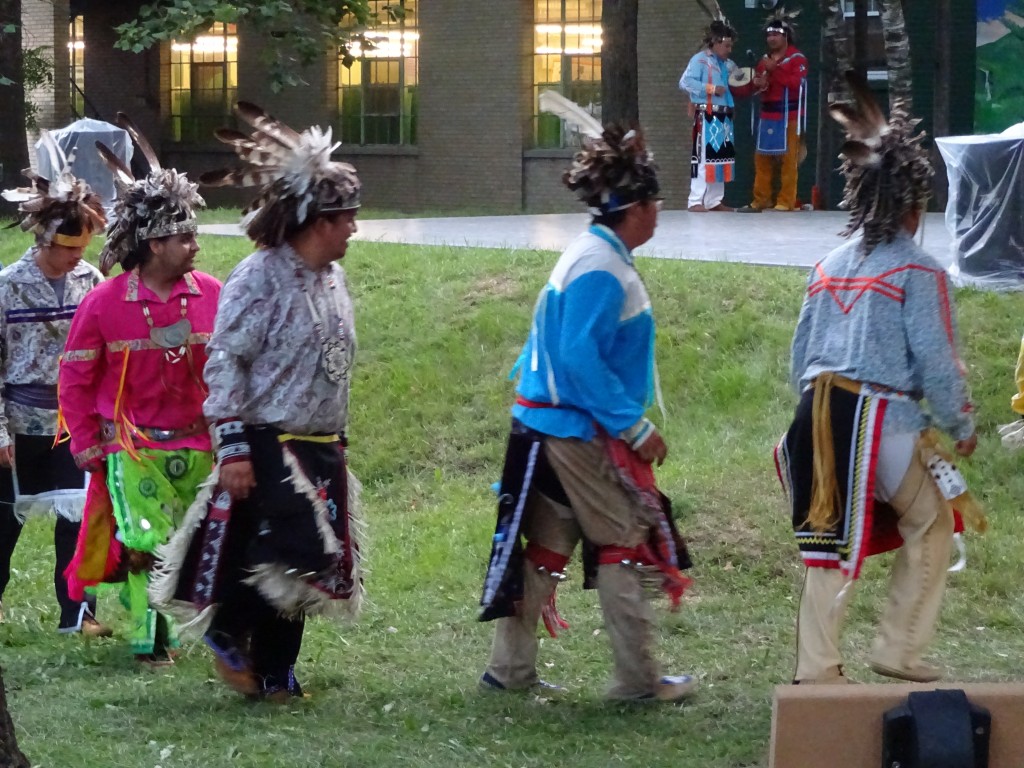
{"x": 849, "y": 10}
{"x": 203, "y": 80}
{"x": 566, "y": 59}
{"x": 377, "y": 94}
{"x": 76, "y": 57}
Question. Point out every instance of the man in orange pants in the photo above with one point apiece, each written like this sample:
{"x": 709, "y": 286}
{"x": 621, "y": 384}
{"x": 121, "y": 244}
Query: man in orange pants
{"x": 781, "y": 78}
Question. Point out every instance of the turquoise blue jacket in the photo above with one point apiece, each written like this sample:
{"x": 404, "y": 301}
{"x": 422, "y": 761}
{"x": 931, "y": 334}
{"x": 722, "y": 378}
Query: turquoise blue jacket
{"x": 590, "y": 355}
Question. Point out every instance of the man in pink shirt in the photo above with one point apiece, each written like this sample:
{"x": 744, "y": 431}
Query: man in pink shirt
{"x": 131, "y": 391}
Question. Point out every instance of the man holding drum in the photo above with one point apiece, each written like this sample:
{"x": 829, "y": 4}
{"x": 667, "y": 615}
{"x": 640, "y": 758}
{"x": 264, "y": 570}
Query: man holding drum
{"x": 781, "y": 80}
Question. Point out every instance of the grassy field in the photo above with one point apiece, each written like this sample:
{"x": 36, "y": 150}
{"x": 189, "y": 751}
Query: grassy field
{"x": 438, "y": 330}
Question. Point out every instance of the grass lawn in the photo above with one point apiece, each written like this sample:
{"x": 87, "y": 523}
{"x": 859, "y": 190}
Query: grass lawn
{"x": 438, "y": 330}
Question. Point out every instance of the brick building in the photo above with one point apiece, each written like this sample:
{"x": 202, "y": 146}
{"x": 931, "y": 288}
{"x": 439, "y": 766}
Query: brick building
{"x": 439, "y": 114}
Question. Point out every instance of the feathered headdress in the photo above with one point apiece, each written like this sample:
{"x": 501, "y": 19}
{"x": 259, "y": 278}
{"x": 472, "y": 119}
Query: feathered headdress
{"x": 46, "y": 205}
{"x": 714, "y": 11}
{"x": 295, "y": 170}
{"x": 613, "y": 171}
{"x": 719, "y": 28}
{"x": 782, "y": 21}
{"x": 888, "y": 174}
{"x": 161, "y": 204}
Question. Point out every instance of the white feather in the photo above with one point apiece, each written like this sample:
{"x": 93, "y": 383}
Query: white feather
{"x": 573, "y": 114}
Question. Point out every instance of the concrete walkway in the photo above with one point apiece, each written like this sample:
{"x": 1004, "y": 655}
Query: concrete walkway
{"x": 779, "y": 239}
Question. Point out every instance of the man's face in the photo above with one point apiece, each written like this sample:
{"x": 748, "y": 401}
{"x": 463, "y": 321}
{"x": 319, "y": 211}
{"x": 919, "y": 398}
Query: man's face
{"x": 776, "y": 41}
{"x": 342, "y": 227}
{"x": 722, "y": 48}
{"x": 175, "y": 254}
{"x": 58, "y": 260}
{"x": 647, "y": 219}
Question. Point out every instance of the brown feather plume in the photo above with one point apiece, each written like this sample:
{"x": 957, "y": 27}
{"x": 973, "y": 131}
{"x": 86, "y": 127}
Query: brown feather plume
{"x": 888, "y": 174}
{"x": 294, "y": 171}
{"x": 46, "y": 204}
{"x": 144, "y": 146}
{"x": 160, "y": 204}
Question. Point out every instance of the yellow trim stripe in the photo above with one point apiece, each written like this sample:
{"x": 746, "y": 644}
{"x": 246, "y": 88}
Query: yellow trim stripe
{"x": 72, "y": 241}
{"x": 286, "y": 436}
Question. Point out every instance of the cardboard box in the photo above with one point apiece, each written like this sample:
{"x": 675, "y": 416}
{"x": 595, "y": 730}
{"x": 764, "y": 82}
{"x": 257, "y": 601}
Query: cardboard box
{"x": 840, "y": 726}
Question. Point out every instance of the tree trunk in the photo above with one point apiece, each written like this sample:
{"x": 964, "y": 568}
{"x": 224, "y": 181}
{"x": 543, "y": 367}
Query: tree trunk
{"x": 940, "y": 114}
{"x": 897, "y": 55}
{"x": 620, "y": 100}
{"x": 835, "y": 60}
{"x": 10, "y": 755}
{"x": 14, "y": 147}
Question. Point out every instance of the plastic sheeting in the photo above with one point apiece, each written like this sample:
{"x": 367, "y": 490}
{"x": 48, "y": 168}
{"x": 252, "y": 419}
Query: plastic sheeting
{"x": 81, "y": 136}
{"x": 985, "y": 212}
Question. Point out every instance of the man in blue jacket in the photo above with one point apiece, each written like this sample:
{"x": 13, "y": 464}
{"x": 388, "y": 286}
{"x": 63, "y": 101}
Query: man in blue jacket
{"x": 581, "y": 451}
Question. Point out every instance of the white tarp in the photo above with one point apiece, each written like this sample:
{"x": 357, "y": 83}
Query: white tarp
{"x": 985, "y": 211}
{"x": 81, "y": 136}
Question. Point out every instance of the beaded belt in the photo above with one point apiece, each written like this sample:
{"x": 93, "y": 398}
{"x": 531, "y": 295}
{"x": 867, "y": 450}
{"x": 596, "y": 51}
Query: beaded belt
{"x": 153, "y": 434}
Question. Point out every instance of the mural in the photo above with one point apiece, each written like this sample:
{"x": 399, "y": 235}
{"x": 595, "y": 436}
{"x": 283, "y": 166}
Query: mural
{"x": 999, "y": 95}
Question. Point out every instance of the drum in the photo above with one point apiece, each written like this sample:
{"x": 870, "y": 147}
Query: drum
{"x": 741, "y": 76}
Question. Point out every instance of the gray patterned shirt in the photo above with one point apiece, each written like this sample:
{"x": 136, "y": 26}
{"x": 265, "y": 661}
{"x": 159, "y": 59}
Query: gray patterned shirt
{"x": 265, "y": 358}
{"x": 33, "y": 328}
{"x": 889, "y": 319}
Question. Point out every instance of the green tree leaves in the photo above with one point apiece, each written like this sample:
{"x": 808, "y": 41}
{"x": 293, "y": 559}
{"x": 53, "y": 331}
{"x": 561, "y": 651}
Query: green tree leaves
{"x": 298, "y": 32}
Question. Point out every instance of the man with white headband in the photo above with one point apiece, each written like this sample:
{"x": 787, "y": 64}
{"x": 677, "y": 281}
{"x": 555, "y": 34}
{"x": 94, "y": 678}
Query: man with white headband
{"x": 581, "y": 450}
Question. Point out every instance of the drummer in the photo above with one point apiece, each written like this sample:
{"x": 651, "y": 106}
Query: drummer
{"x": 706, "y": 81}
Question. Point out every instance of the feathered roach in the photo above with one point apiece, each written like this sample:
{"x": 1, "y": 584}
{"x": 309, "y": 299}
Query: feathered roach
{"x": 888, "y": 174}
{"x": 46, "y": 204}
{"x": 297, "y": 177}
{"x": 161, "y": 204}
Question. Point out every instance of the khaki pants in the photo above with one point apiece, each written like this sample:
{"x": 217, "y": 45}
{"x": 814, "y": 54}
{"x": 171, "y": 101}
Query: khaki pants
{"x": 603, "y": 512}
{"x": 788, "y": 165}
{"x": 916, "y": 586}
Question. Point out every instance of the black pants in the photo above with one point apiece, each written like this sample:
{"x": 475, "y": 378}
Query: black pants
{"x": 244, "y": 617}
{"x": 39, "y": 453}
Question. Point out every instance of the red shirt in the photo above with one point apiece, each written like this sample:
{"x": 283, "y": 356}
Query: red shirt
{"x": 784, "y": 86}
{"x": 113, "y": 370}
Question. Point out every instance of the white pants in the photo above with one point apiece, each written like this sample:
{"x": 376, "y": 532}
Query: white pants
{"x": 702, "y": 192}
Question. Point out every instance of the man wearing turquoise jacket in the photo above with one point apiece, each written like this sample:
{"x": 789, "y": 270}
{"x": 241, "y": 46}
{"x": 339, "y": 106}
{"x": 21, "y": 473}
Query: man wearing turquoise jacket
{"x": 579, "y": 464}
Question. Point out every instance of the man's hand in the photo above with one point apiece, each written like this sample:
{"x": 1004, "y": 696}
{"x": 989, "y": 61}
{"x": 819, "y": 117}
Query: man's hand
{"x": 653, "y": 449}
{"x": 770, "y": 64}
{"x": 966, "y": 447}
{"x": 7, "y": 456}
{"x": 237, "y": 478}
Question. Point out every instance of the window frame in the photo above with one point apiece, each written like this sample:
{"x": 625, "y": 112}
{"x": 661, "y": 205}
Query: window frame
{"x": 874, "y": 9}
{"x": 76, "y": 65}
{"x": 370, "y": 93}
{"x": 543, "y": 126}
{"x": 186, "y": 124}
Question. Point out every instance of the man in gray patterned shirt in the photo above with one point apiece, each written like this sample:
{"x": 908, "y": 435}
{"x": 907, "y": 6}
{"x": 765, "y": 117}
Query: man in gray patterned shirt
{"x": 278, "y": 377}
{"x": 39, "y": 294}
{"x": 876, "y": 339}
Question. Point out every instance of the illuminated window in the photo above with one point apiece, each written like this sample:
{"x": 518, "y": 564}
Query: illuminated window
{"x": 566, "y": 59}
{"x": 76, "y": 57}
{"x": 204, "y": 79}
{"x": 377, "y": 95}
